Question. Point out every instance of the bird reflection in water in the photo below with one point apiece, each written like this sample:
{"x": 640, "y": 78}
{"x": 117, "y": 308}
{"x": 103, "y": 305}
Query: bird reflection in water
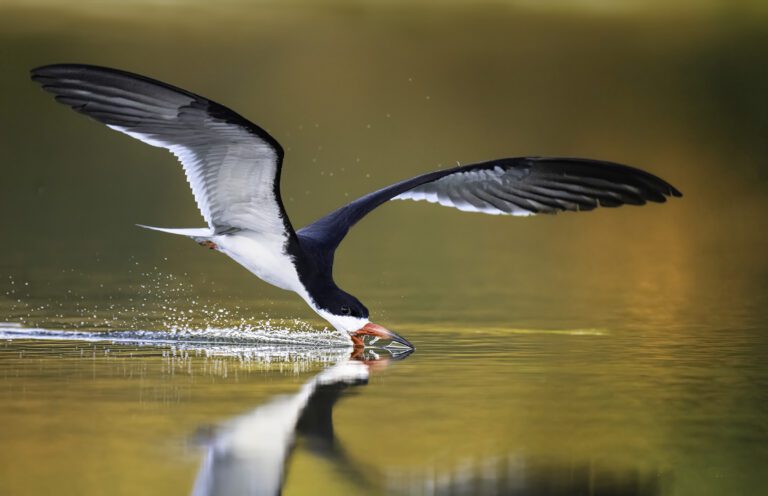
{"x": 247, "y": 455}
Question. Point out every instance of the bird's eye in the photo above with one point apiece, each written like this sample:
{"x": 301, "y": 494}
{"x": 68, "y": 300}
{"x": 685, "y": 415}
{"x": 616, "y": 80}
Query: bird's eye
{"x": 345, "y": 310}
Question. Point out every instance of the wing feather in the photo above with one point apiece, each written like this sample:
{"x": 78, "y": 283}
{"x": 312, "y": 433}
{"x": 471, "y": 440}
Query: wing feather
{"x": 231, "y": 164}
{"x": 513, "y": 186}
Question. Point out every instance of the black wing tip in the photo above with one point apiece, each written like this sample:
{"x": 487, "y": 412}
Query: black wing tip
{"x": 662, "y": 188}
{"x": 68, "y": 68}
{"x": 46, "y": 75}
{"x": 60, "y": 66}
{"x": 45, "y": 70}
{"x": 665, "y": 191}
{"x": 56, "y": 71}
{"x": 53, "y": 72}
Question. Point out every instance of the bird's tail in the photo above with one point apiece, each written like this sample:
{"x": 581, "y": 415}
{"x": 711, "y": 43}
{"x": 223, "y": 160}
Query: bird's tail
{"x": 199, "y": 234}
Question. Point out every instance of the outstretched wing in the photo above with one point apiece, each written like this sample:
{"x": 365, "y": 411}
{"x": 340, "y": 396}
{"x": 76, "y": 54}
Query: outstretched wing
{"x": 232, "y": 165}
{"x": 511, "y": 186}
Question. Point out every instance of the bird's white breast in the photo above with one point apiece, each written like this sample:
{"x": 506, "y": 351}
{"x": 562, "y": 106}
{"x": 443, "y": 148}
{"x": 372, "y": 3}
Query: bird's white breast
{"x": 264, "y": 255}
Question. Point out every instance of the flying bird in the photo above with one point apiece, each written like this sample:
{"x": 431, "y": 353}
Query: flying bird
{"x": 233, "y": 167}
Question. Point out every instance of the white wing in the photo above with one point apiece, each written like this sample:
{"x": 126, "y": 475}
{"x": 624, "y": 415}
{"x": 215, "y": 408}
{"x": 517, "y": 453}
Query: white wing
{"x": 232, "y": 165}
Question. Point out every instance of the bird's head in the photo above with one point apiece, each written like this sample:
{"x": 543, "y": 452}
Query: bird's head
{"x": 347, "y": 314}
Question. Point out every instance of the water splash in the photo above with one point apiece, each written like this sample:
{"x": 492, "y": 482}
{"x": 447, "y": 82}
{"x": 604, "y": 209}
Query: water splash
{"x": 151, "y": 299}
{"x": 264, "y": 343}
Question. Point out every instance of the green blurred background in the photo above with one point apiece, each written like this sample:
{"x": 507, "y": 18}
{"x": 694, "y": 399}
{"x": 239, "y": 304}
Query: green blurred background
{"x": 362, "y": 94}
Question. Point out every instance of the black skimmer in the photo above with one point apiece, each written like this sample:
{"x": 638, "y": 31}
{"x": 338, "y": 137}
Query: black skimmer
{"x": 233, "y": 167}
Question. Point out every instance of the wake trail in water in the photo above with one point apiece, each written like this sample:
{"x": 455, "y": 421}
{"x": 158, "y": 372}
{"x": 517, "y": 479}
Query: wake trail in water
{"x": 250, "y": 342}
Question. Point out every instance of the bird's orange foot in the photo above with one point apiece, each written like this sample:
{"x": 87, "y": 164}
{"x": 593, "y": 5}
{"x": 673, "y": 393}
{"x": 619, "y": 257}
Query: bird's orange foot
{"x": 357, "y": 341}
{"x": 209, "y": 244}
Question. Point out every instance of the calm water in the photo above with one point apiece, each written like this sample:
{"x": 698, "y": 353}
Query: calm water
{"x": 618, "y": 352}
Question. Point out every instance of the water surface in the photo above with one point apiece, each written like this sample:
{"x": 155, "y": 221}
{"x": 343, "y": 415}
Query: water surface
{"x": 614, "y": 352}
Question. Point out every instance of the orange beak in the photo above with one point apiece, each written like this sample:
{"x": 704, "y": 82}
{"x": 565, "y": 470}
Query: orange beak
{"x": 371, "y": 329}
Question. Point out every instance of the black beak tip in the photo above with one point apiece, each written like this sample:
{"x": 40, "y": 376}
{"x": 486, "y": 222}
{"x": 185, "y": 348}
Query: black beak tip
{"x": 401, "y": 341}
